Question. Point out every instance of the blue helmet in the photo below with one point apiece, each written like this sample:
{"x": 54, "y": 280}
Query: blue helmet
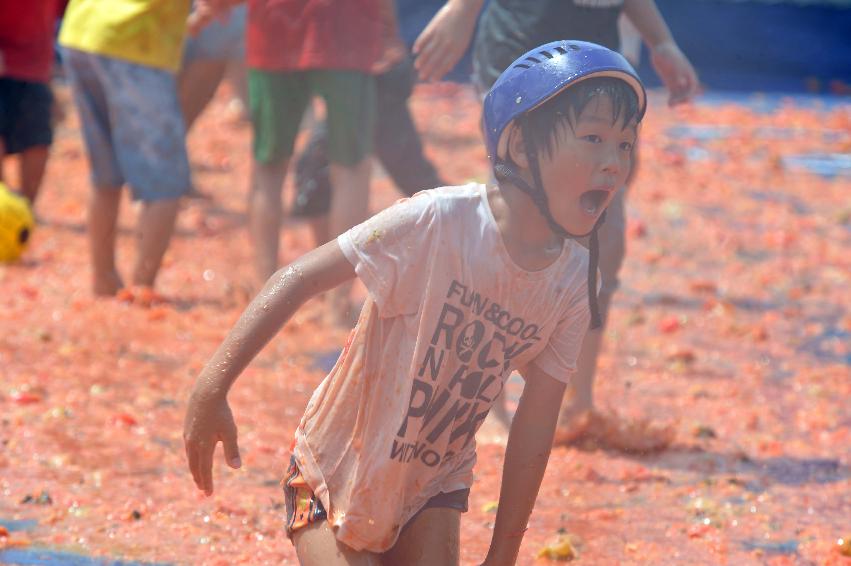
{"x": 544, "y": 72}
{"x": 530, "y": 81}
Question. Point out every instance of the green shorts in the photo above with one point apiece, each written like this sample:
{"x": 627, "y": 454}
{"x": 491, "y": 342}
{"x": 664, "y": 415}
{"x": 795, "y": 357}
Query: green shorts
{"x": 278, "y": 100}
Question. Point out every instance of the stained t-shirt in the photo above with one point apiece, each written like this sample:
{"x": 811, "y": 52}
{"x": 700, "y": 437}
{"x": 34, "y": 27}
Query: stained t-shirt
{"x": 299, "y": 35}
{"x": 449, "y": 316}
{"x": 510, "y": 28}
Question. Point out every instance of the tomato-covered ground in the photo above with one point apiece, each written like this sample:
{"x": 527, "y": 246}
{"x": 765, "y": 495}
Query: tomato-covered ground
{"x": 733, "y": 322}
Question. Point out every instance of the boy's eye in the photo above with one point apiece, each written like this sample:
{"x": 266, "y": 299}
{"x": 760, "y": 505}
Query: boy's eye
{"x": 626, "y": 146}
{"x": 593, "y": 138}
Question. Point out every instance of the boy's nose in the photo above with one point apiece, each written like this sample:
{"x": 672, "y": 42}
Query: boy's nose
{"x": 612, "y": 161}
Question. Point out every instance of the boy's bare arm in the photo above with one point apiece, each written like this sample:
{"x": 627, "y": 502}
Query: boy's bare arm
{"x": 445, "y": 39}
{"x": 526, "y": 456}
{"x": 205, "y": 11}
{"x": 208, "y": 417}
{"x": 672, "y": 66}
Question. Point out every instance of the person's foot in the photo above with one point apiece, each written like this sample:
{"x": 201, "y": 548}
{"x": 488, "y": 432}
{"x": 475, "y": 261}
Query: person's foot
{"x": 610, "y": 431}
{"x": 140, "y": 295}
{"x": 107, "y": 284}
{"x": 635, "y": 436}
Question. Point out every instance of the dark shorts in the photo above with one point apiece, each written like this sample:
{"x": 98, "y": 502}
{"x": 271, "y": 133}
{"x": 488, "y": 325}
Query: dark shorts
{"x": 25, "y": 114}
{"x": 303, "y": 507}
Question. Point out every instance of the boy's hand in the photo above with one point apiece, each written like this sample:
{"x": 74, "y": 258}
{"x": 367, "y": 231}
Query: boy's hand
{"x": 445, "y": 38}
{"x": 676, "y": 72}
{"x": 204, "y": 12}
{"x": 208, "y": 421}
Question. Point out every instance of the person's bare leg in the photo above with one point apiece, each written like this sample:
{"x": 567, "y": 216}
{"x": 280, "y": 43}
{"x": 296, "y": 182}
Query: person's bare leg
{"x": 319, "y": 227}
{"x": 433, "y": 537}
{"x": 33, "y": 163}
{"x": 581, "y": 391}
{"x": 154, "y": 229}
{"x": 236, "y": 75}
{"x": 349, "y": 206}
{"x": 196, "y": 86}
{"x": 104, "y": 204}
{"x": 578, "y": 404}
{"x": 316, "y": 545}
{"x": 264, "y": 216}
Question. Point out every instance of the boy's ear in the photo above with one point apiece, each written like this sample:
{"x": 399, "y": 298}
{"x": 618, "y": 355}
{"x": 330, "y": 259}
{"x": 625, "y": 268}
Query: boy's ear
{"x": 517, "y": 147}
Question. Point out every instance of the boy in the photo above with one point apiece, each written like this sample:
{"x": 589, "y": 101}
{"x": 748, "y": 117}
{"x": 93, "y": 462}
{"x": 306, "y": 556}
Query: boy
{"x": 506, "y": 29}
{"x": 26, "y": 61}
{"x": 297, "y": 50}
{"x": 121, "y": 61}
{"x": 465, "y": 283}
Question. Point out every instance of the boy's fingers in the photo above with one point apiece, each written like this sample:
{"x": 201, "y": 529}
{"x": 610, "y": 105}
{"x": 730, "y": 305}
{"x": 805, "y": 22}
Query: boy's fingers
{"x": 206, "y": 468}
{"x": 192, "y": 459}
{"x": 231, "y": 449}
{"x": 424, "y": 62}
{"x": 431, "y": 64}
{"x": 422, "y": 42}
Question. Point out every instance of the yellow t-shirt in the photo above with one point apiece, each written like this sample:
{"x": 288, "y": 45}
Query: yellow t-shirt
{"x": 148, "y": 32}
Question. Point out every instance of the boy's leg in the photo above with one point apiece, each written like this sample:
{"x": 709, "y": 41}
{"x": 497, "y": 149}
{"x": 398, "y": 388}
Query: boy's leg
{"x": 313, "y": 185}
{"x": 104, "y": 204}
{"x": 612, "y": 238}
{"x": 197, "y": 84}
{"x": 277, "y": 102}
{"x": 349, "y": 206}
{"x": 89, "y": 81}
{"x": 397, "y": 141}
{"x": 350, "y": 101}
{"x": 265, "y": 212}
{"x": 33, "y": 164}
{"x": 26, "y": 124}
{"x": 148, "y": 135}
{"x": 154, "y": 231}
{"x": 316, "y": 545}
{"x": 432, "y": 537}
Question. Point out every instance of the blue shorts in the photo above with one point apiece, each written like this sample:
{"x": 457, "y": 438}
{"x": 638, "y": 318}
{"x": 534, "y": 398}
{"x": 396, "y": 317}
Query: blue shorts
{"x": 24, "y": 115}
{"x": 219, "y": 41}
{"x": 132, "y": 125}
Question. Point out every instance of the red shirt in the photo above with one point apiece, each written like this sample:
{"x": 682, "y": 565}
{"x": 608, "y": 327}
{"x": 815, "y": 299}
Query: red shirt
{"x": 26, "y": 38}
{"x": 298, "y": 35}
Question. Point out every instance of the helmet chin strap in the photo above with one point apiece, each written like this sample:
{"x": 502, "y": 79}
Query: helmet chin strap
{"x": 504, "y": 171}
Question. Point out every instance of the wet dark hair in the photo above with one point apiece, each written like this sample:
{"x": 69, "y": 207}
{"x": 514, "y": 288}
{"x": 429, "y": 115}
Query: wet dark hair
{"x": 563, "y": 109}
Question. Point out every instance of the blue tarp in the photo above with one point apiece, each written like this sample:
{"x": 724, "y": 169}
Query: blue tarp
{"x": 744, "y": 45}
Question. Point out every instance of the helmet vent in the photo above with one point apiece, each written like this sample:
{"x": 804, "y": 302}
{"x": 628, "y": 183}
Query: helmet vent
{"x": 546, "y": 54}
{"x": 532, "y": 59}
{"x": 574, "y": 47}
{"x": 561, "y": 49}
{"x": 521, "y": 65}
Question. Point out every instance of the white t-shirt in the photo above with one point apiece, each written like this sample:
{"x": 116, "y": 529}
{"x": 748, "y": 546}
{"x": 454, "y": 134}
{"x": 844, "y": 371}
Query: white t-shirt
{"x": 449, "y": 316}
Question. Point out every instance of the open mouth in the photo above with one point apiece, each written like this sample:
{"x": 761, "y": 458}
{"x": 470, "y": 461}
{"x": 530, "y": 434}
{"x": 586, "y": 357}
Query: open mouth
{"x": 592, "y": 201}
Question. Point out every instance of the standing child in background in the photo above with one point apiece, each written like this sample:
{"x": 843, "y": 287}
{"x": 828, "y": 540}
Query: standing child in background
{"x": 397, "y": 143}
{"x": 465, "y": 285}
{"x": 120, "y": 59}
{"x": 26, "y": 60}
{"x": 508, "y": 28}
{"x": 295, "y": 51}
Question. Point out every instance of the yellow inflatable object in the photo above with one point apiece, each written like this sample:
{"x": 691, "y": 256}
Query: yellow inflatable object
{"x": 16, "y": 224}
